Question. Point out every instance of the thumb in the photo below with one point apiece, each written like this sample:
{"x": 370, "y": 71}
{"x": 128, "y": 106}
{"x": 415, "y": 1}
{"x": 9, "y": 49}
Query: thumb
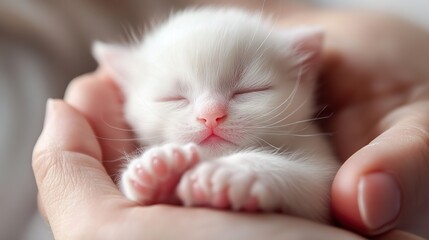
{"x": 386, "y": 182}
{"x": 66, "y": 164}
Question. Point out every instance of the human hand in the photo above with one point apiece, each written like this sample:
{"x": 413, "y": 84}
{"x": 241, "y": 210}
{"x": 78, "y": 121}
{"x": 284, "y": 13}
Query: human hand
{"x": 80, "y": 201}
{"x": 375, "y": 80}
{"x": 69, "y": 186}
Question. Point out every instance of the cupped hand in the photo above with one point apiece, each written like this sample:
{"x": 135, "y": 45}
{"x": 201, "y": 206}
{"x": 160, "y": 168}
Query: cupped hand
{"x": 375, "y": 81}
{"x": 82, "y": 138}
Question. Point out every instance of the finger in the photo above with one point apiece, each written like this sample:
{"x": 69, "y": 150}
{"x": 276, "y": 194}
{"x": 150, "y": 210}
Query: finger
{"x": 67, "y": 167}
{"x": 100, "y": 101}
{"x": 41, "y": 208}
{"x": 386, "y": 182}
{"x": 398, "y": 234}
{"x": 212, "y": 225}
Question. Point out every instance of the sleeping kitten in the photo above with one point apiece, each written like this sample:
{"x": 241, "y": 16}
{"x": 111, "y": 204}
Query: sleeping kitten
{"x": 223, "y": 103}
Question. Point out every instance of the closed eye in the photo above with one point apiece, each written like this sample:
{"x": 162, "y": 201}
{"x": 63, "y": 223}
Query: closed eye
{"x": 172, "y": 99}
{"x": 252, "y": 90}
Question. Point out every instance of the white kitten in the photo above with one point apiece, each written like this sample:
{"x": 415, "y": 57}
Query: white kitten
{"x": 223, "y": 101}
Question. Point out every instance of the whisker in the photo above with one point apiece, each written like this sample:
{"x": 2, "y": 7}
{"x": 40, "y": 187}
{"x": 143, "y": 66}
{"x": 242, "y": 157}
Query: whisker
{"x": 255, "y": 141}
{"x": 114, "y": 127}
{"x": 119, "y": 139}
{"x": 289, "y": 124}
{"x": 269, "y": 144}
{"x": 289, "y": 115}
{"x": 262, "y": 43}
{"x": 121, "y": 159}
{"x": 302, "y": 135}
{"x": 288, "y": 100}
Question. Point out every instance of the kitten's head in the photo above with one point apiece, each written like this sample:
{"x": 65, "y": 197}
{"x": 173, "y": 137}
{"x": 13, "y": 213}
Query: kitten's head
{"x": 222, "y": 78}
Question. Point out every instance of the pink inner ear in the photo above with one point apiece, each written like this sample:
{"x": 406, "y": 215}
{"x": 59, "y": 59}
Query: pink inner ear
{"x": 307, "y": 42}
{"x": 115, "y": 60}
{"x": 310, "y": 44}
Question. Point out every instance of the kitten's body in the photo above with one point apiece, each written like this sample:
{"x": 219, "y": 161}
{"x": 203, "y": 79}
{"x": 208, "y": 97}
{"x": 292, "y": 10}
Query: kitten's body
{"x": 224, "y": 102}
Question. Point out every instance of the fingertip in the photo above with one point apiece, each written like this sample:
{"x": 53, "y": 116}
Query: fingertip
{"x": 385, "y": 183}
{"x": 344, "y": 199}
{"x": 65, "y": 129}
{"x": 398, "y": 235}
{"x": 364, "y": 201}
{"x": 98, "y": 82}
{"x": 101, "y": 102}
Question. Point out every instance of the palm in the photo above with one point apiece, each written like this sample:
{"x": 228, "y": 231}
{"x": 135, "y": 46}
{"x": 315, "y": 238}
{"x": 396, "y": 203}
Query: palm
{"x": 374, "y": 75}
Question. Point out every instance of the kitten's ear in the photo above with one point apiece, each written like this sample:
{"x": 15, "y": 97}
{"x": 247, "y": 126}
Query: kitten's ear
{"x": 307, "y": 42}
{"x": 115, "y": 59}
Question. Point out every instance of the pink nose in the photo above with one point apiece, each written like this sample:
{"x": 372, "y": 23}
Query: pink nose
{"x": 212, "y": 117}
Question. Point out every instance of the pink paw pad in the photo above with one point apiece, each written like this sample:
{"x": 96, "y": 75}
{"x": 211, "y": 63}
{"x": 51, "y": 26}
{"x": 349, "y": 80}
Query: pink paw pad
{"x": 252, "y": 205}
{"x": 180, "y": 161}
{"x": 219, "y": 185}
{"x": 160, "y": 168}
{"x": 194, "y": 155}
{"x": 139, "y": 187}
{"x": 198, "y": 194}
{"x": 143, "y": 175}
{"x": 152, "y": 178}
{"x": 220, "y": 200}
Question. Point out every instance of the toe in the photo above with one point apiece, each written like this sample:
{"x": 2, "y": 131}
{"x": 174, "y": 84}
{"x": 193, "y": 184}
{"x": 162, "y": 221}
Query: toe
{"x": 144, "y": 177}
{"x": 220, "y": 200}
{"x": 159, "y": 166}
{"x": 252, "y": 204}
{"x": 198, "y": 194}
{"x": 179, "y": 161}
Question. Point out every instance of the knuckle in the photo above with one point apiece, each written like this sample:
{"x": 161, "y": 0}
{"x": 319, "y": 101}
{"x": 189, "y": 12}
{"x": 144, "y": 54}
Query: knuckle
{"x": 42, "y": 162}
{"x": 48, "y": 166}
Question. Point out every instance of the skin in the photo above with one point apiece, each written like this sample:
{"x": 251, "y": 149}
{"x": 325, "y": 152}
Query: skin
{"x": 75, "y": 188}
{"x": 375, "y": 81}
{"x": 382, "y": 95}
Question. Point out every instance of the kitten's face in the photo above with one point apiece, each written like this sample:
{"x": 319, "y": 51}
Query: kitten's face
{"x": 223, "y": 86}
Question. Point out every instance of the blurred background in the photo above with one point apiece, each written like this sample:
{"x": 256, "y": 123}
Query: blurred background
{"x": 44, "y": 44}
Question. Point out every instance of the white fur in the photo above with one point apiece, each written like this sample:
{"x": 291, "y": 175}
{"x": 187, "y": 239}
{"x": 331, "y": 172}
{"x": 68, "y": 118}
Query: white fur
{"x": 200, "y": 59}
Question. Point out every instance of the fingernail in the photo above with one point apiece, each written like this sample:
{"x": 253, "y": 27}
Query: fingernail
{"x": 379, "y": 200}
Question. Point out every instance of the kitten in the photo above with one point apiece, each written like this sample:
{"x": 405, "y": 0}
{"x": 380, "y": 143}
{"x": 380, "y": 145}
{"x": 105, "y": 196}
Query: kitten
{"x": 223, "y": 102}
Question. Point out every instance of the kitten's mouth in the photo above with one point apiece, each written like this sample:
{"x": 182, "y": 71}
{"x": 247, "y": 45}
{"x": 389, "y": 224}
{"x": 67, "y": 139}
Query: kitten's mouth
{"x": 214, "y": 139}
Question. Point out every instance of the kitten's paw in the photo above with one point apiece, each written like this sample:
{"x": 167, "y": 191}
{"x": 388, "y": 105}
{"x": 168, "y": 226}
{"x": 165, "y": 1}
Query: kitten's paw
{"x": 225, "y": 185}
{"x": 152, "y": 178}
